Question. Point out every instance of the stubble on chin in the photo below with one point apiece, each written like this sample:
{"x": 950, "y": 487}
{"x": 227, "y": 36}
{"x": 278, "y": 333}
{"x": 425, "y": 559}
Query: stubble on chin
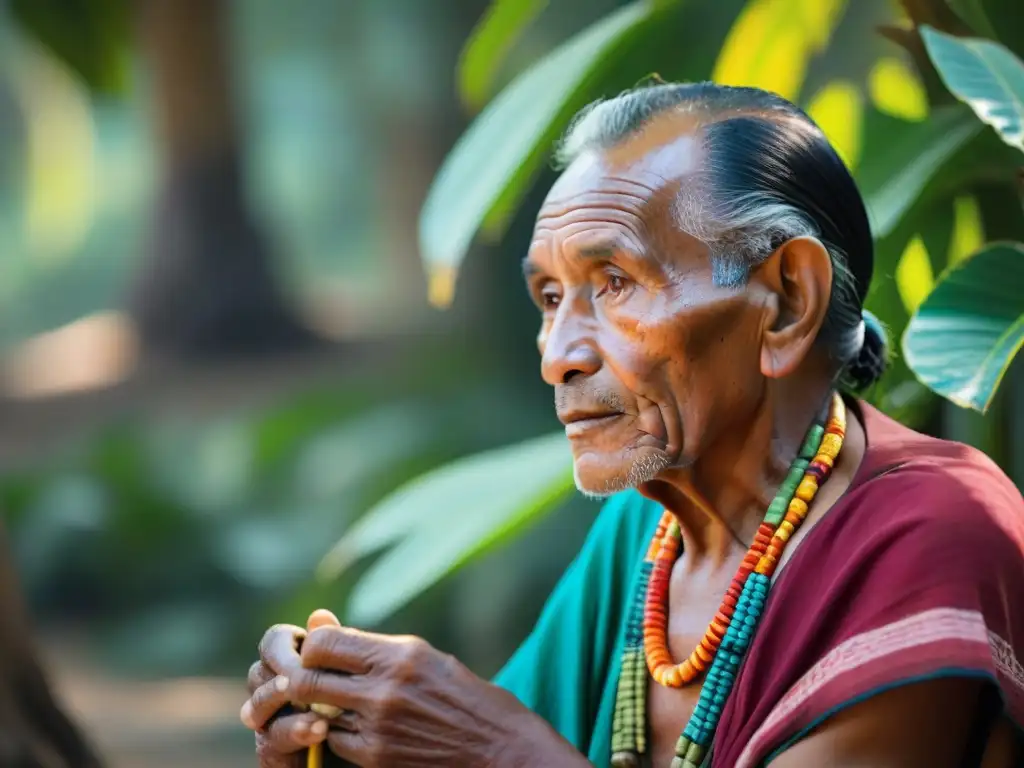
{"x": 641, "y": 469}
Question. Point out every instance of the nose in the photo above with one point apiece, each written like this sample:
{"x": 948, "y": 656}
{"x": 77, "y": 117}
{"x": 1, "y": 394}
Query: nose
{"x": 567, "y": 353}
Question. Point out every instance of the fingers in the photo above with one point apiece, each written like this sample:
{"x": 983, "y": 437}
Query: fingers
{"x": 266, "y": 701}
{"x": 322, "y": 618}
{"x": 259, "y": 674}
{"x": 279, "y": 648}
{"x": 341, "y": 649}
{"x": 291, "y": 734}
{"x": 352, "y": 747}
{"x": 317, "y": 686}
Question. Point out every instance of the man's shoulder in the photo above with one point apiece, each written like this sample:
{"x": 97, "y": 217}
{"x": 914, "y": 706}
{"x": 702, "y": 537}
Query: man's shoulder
{"x": 943, "y": 498}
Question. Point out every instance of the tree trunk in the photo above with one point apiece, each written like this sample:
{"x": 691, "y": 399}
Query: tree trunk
{"x": 34, "y": 731}
{"x": 207, "y": 287}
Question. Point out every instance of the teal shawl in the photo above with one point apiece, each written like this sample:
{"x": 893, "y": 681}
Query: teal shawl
{"x": 568, "y": 668}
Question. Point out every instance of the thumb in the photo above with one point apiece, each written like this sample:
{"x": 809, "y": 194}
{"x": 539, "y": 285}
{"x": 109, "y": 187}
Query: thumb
{"x": 321, "y": 618}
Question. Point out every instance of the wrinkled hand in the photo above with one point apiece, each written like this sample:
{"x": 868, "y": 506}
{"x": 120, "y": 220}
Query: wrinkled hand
{"x": 405, "y": 705}
{"x": 282, "y": 736}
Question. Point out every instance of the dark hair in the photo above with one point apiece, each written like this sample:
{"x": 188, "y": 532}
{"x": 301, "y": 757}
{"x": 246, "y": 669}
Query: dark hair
{"x": 770, "y": 175}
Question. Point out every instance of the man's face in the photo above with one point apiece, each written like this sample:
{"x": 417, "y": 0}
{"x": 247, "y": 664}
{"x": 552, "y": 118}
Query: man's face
{"x": 650, "y": 360}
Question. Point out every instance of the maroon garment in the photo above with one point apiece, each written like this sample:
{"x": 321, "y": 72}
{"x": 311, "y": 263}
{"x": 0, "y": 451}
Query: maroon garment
{"x": 916, "y": 572}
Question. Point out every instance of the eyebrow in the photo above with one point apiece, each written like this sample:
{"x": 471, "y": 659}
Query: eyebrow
{"x": 599, "y": 249}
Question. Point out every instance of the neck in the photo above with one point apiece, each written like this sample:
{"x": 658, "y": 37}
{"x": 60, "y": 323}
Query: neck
{"x": 720, "y": 499}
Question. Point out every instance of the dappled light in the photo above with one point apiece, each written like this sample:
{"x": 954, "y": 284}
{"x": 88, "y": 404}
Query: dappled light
{"x": 265, "y": 346}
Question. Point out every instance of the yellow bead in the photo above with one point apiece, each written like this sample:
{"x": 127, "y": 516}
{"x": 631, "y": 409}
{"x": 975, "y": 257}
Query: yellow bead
{"x": 798, "y": 507}
{"x": 807, "y": 488}
{"x": 782, "y": 534}
{"x": 830, "y": 445}
{"x": 821, "y": 458}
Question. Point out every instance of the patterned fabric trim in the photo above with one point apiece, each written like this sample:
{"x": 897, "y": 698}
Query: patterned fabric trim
{"x": 909, "y": 648}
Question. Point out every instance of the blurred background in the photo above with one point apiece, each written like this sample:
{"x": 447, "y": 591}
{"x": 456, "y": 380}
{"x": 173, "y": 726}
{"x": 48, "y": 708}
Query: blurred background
{"x": 218, "y": 352}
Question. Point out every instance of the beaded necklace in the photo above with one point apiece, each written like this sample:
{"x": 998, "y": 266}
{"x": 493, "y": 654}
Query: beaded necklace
{"x": 731, "y": 630}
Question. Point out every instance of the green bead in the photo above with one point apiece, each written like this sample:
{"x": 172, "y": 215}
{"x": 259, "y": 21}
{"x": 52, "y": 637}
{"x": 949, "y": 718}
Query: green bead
{"x": 812, "y": 442}
{"x": 695, "y": 753}
{"x": 625, "y": 760}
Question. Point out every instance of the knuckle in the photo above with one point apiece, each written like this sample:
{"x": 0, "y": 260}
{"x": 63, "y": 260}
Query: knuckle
{"x": 309, "y": 685}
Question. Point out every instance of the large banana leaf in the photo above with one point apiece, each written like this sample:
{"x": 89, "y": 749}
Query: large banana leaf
{"x": 984, "y": 75}
{"x": 448, "y": 516}
{"x": 495, "y": 159}
{"x": 965, "y": 334}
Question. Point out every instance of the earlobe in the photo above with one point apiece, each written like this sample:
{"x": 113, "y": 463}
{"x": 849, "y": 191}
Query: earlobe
{"x": 799, "y": 273}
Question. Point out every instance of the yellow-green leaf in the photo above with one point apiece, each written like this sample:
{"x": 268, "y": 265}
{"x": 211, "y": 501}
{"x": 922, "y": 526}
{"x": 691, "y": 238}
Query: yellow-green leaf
{"x": 897, "y": 90}
{"x": 771, "y": 43}
{"x": 509, "y": 139}
{"x": 914, "y": 276}
{"x": 838, "y": 109}
{"x": 489, "y": 44}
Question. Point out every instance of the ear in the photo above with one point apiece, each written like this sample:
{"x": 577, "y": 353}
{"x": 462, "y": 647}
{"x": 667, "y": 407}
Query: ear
{"x": 799, "y": 274}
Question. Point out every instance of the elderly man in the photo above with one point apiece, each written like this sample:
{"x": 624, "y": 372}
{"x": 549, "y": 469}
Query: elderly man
{"x": 782, "y": 574}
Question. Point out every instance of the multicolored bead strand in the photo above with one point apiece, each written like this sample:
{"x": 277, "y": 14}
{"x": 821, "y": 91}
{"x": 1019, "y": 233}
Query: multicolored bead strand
{"x": 629, "y": 722}
{"x": 730, "y": 633}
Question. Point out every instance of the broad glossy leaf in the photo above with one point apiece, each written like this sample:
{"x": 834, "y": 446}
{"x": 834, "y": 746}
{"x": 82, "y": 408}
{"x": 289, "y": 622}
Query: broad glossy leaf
{"x": 509, "y": 140}
{"x": 448, "y": 516}
{"x": 489, "y": 43}
{"x": 984, "y": 75}
{"x": 965, "y": 334}
{"x": 893, "y": 180}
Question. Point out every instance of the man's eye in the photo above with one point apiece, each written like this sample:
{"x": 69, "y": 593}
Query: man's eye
{"x": 616, "y": 284}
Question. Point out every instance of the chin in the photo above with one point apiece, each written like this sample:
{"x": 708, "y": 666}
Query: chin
{"x": 599, "y": 475}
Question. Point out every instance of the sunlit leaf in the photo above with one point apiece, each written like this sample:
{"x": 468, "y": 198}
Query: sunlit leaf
{"x": 509, "y": 139}
{"x": 893, "y": 179}
{"x": 896, "y": 90}
{"x": 489, "y": 44}
{"x": 772, "y": 42}
{"x": 838, "y": 109}
{"x": 914, "y": 276}
{"x": 966, "y": 333}
{"x": 968, "y": 229}
{"x": 448, "y": 516}
{"x": 984, "y": 75}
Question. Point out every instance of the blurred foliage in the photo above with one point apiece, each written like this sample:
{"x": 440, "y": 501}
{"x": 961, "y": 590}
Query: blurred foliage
{"x": 91, "y": 37}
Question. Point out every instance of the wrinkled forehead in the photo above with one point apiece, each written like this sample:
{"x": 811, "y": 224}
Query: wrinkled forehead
{"x": 629, "y": 190}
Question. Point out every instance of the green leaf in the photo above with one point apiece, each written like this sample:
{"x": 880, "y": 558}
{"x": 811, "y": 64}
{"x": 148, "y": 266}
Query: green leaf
{"x": 973, "y": 12}
{"x": 917, "y": 155}
{"x": 506, "y": 144}
{"x": 965, "y": 334}
{"x": 985, "y": 76}
{"x": 91, "y": 38}
{"x": 446, "y": 517}
{"x": 489, "y": 43}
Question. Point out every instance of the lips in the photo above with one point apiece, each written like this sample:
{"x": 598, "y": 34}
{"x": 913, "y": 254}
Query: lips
{"x": 578, "y": 422}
